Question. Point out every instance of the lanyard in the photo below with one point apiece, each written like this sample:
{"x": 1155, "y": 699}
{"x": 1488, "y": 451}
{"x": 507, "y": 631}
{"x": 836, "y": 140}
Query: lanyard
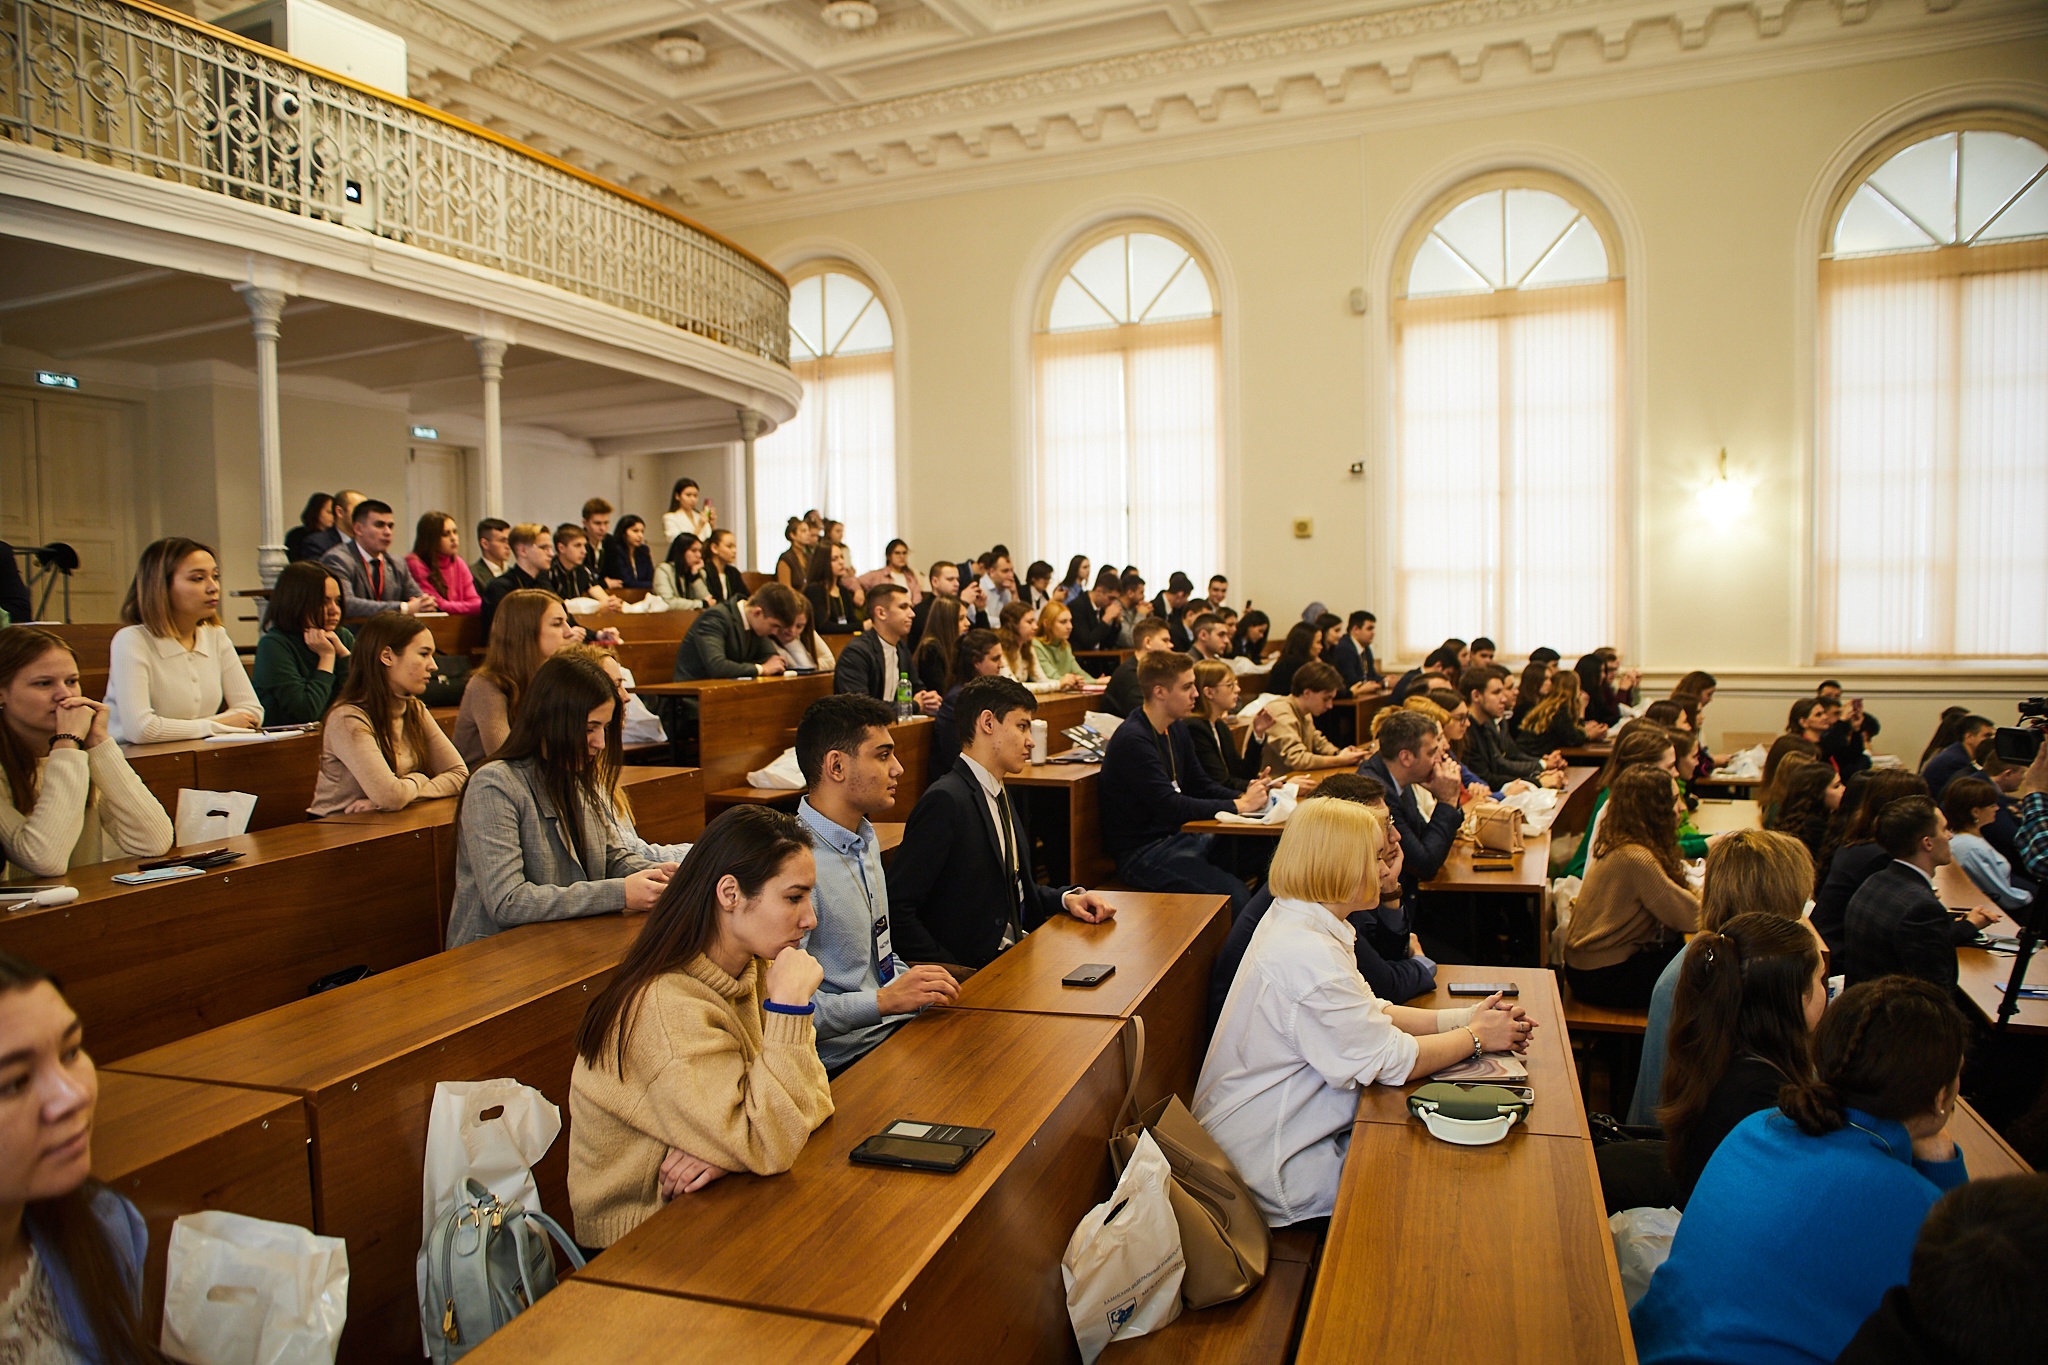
{"x": 1165, "y": 748}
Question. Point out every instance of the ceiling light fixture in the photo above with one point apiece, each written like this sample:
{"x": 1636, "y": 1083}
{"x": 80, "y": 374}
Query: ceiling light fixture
{"x": 849, "y": 16}
{"x": 679, "y": 49}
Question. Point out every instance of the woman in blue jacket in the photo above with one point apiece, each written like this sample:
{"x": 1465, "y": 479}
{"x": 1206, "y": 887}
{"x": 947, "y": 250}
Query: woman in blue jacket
{"x": 70, "y": 1248}
{"x": 1806, "y": 1214}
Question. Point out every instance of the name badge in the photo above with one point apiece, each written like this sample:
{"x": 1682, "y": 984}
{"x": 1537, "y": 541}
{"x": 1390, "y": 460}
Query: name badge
{"x": 885, "y": 963}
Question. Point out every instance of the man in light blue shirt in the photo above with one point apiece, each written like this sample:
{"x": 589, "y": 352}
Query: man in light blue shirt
{"x": 849, "y": 759}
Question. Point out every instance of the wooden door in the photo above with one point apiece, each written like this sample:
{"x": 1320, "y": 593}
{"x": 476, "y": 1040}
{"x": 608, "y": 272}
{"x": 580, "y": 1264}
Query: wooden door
{"x": 435, "y": 481}
{"x": 20, "y": 522}
{"x": 85, "y": 471}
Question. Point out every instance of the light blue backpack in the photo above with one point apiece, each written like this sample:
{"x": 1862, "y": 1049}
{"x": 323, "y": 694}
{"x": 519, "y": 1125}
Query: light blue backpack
{"x": 487, "y": 1263}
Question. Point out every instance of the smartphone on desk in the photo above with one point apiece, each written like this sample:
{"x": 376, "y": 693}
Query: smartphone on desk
{"x": 1482, "y": 989}
{"x": 1497, "y": 865}
{"x": 911, "y": 1154}
{"x": 1089, "y": 974}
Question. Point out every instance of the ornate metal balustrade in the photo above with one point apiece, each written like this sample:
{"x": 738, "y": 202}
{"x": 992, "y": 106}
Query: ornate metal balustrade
{"x": 147, "y": 91}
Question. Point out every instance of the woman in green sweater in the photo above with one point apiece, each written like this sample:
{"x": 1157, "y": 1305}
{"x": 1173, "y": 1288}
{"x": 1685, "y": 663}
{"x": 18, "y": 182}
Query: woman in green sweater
{"x": 1054, "y": 647}
{"x": 303, "y": 655}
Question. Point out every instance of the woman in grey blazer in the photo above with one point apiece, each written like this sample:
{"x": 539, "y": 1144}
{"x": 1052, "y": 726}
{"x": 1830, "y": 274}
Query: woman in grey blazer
{"x": 533, "y": 842}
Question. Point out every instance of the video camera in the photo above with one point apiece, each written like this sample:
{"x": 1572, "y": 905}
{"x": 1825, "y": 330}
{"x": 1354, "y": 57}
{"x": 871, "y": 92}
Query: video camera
{"x": 2019, "y": 743}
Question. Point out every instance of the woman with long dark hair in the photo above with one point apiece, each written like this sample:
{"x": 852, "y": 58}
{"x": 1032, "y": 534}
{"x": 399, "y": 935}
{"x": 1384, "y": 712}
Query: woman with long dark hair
{"x": 1076, "y": 581}
{"x": 533, "y": 842}
{"x": 1638, "y": 744}
{"x": 1304, "y": 643}
{"x": 1858, "y": 854}
{"x": 1533, "y": 686}
{"x": 1625, "y": 923}
{"x": 1807, "y": 1213}
{"x": 380, "y": 750}
{"x": 680, "y": 580}
{"x": 944, "y": 623}
{"x": 700, "y": 1056}
{"x": 835, "y": 599}
{"x": 302, "y": 655}
{"x": 1558, "y": 720}
{"x": 1249, "y": 642}
{"x": 624, "y": 561}
{"x": 71, "y": 1249}
{"x": 317, "y": 515}
{"x": 67, "y": 794}
{"x": 1808, "y": 795}
{"x": 530, "y": 625}
{"x": 895, "y": 569}
{"x": 435, "y": 564}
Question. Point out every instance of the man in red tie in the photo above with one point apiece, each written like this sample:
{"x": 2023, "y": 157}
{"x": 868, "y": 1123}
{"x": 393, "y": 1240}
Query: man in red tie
{"x": 371, "y": 579}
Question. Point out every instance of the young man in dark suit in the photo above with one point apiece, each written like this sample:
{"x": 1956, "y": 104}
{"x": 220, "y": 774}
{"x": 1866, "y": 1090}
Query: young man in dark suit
{"x": 1352, "y": 656}
{"x": 1413, "y": 754}
{"x": 1122, "y": 697}
{"x": 1895, "y": 923}
{"x": 960, "y": 886}
{"x": 873, "y": 662}
{"x": 1098, "y": 613}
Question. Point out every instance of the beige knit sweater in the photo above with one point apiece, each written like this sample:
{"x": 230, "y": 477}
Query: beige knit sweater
{"x": 1626, "y": 905}
{"x": 708, "y": 1071}
{"x": 352, "y": 766}
{"x": 1294, "y": 744}
{"x": 483, "y": 722}
{"x": 90, "y": 807}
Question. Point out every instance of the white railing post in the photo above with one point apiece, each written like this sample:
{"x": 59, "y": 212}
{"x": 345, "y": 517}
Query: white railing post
{"x": 266, "y": 306}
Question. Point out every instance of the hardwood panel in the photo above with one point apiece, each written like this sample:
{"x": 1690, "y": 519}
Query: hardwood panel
{"x": 914, "y": 750}
{"x": 279, "y": 773}
{"x": 585, "y": 1321}
{"x": 743, "y": 727}
{"x": 164, "y": 768}
{"x": 1985, "y": 1154}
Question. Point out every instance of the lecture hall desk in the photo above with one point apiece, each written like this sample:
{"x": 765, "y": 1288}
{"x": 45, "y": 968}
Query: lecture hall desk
{"x": 1521, "y": 1222}
{"x": 1066, "y": 815}
{"x": 364, "y": 1061}
{"x": 586, "y": 1321}
{"x": 960, "y": 1267}
{"x": 1982, "y": 974}
{"x": 144, "y": 965}
{"x": 1163, "y": 948}
{"x": 279, "y": 773}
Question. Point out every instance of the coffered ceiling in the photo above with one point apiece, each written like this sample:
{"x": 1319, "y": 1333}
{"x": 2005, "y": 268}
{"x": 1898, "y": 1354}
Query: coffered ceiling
{"x": 785, "y": 113}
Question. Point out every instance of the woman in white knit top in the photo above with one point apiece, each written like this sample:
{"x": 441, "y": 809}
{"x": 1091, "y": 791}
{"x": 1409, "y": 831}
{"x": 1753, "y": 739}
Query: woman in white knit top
{"x": 67, "y": 796}
{"x": 173, "y": 673}
{"x": 701, "y": 1058}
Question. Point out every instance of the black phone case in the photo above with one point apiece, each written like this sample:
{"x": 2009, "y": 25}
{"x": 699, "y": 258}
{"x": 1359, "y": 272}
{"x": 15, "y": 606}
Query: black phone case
{"x": 862, "y": 1156}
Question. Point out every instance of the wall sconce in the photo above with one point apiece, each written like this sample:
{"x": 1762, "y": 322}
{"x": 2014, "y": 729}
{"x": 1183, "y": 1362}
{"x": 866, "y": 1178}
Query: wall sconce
{"x": 1722, "y": 499}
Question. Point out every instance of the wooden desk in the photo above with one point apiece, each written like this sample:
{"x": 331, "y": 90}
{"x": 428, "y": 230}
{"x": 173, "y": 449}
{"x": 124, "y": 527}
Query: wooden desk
{"x": 1066, "y": 814}
{"x": 1729, "y": 786}
{"x": 1587, "y": 755}
{"x": 175, "y": 1147}
{"x": 365, "y": 1060}
{"x": 744, "y": 725}
{"x": 1575, "y": 807}
{"x": 1725, "y": 814}
{"x": 586, "y": 1321}
{"x": 1163, "y": 948}
{"x": 969, "y": 1261}
{"x": 165, "y": 769}
{"x": 1062, "y": 711}
{"x": 144, "y": 965}
{"x": 914, "y": 750}
{"x": 279, "y": 773}
{"x": 642, "y": 626}
{"x": 1529, "y": 878}
{"x": 1986, "y": 1155}
{"x": 1982, "y": 976}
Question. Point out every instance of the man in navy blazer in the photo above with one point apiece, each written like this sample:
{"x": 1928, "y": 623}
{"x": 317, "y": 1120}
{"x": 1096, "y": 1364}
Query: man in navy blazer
{"x": 1896, "y": 924}
{"x": 1413, "y": 754}
{"x": 960, "y": 886}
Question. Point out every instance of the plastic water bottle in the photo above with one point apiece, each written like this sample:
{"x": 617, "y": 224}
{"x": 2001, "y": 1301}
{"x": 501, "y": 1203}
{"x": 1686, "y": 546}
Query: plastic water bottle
{"x": 904, "y": 705}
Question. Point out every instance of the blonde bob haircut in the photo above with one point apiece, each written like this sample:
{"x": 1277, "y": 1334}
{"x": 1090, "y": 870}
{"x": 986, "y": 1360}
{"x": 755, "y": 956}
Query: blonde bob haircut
{"x": 1328, "y": 850}
{"x": 1759, "y": 870}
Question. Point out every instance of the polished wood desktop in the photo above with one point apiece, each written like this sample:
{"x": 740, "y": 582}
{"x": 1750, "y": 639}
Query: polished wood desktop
{"x": 586, "y": 1321}
{"x": 1725, "y": 814}
{"x": 1529, "y": 876}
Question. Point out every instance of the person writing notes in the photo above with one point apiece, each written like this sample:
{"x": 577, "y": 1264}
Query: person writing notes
{"x": 380, "y": 750}
{"x": 1301, "y": 1032}
{"x": 173, "y": 672}
{"x": 699, "y": 1058}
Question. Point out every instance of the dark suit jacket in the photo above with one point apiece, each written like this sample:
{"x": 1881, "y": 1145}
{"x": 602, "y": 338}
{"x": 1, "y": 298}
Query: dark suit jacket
{"x": 946, "y": 894}
{"x": 725, "y": 587}
{"x": 719, "y": 645}
{"x": 863, "y": 671}
{"x": 1850, "y": 867}
{"x": 1424, "y": 843}
{"x": 1946, "y": 766}
{"x": 1122, "y": 696}
{"x": 1346, "y": 660}
{"x": 1090, "y": 631}
{"x": 1175, "y": 631}
{"x": 1845, "y": 746}
{"x": 1490, "y": 753}
{"x": 359, "y": 596}
{"x": 1896, "y": 925}
{"x": 1222, "y": 763}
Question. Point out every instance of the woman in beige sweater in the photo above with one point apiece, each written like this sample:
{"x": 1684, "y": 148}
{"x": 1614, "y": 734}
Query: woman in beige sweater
{"x": 1626, "y": 924}
{"x": 701, "y": 1058}
{"x": 530, "y": 625}
{"x": 67, "y": 796}
{"x": 379, "y": 749}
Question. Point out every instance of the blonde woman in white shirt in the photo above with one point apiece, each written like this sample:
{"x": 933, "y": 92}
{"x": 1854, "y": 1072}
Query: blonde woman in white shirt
{"x": 1301, "y": 1031}
{"x": 173, "y": 673}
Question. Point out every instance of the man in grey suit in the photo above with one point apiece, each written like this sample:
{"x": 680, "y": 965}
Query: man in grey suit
{"x": 372, "y": 578}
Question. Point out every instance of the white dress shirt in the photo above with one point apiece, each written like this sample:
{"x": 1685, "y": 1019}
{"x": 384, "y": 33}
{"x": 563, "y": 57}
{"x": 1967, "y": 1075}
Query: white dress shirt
{"x": 158, "y": 690}
{"x": 1300, "y": 1032}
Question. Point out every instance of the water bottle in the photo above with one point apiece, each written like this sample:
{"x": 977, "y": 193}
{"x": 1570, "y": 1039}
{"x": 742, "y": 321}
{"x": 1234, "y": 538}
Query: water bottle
{"x": 904, "y": 705}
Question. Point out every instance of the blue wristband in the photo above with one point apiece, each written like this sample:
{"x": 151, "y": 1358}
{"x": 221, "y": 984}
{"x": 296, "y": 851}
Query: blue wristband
{"x": 774, "y": 1008}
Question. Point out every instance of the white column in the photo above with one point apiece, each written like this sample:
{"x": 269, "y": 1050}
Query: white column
{"x": 750, "y": 428}
{"x": 266, "y": 306}
{"x": 490, "y": 355}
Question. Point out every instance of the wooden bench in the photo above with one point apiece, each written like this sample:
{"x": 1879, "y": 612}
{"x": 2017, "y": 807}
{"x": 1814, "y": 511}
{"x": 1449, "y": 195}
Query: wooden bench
{"x": 1263, "y": 1326}
{"x": 365, "y": 1059}
{"x": 177, "y": 1147}
{"x": 643, "y": 627}
{"x": 1587, "y": 1018}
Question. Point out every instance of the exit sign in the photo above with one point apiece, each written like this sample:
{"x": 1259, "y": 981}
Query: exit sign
{"x": 51, "y": 379}
{"x": 426, "y": 433}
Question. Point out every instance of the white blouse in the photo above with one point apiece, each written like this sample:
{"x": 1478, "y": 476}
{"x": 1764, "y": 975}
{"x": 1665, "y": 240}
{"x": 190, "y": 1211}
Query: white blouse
{"x": 1300, "y": 1033}
{"x": 158, "y": 690}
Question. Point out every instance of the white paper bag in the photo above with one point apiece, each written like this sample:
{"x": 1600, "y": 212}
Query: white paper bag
{"x": 642, "y": 725}
{"x": 1642, "y": 1242}
{"x": 205, "y": 816}
{"x": 498, "y": 1152}
{"x": 781, "y": 775}
{"x": 244, "y": 1291}
{"x": 1123, "y": 1265}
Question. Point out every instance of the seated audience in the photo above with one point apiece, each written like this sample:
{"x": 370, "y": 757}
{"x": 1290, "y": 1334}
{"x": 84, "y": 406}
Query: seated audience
{"x": 835, "y": 602}
{"x": 999, "y": 581}
{"x": 980, "y": 655}
{"x": 494, "y": 552}
{"x": 960, "y": 885}
{"x": 1972, "y": 1294}
{"x": 1211, "y": 636}
{"x": 625, "y": 561}
{"x": 1783, "y": 747}
{"x": 1121, "y": 697}
{"x": 1810, "y": 719}
{"x": 1390, "y": 957}
{"x": 1973, "y": 741}
{"x": 1352, "y": 656}
{"x": 302, "y": 655}
{"x": 793, "y": 567}
{"x": 1019, "y": 627}
{"x": 67, "y": 795}
{"x": 1558, "y": 719}
{"x": 533, "y": 839}
{"x": 943, "y": 579}
{"x": 737, "y": 638}
{"x": 1219, "y": 592}
{"x": 721, "y": 554}
{"x": 1075, "y": 584}
{"x": 1626, "y": 922}
{"x": 620, "y": 809}
{"x": 1169, "y": 604}
{"x": 1488, "y": 749}
{"x": 878, "y": 663}
{"x": 1098, "y": 614}
{"x": 1208, "y": 727}
{"x": 379, "y": 749}
{"x": 1294, "y": 744}
{"x": 533, "y": 567}
{"x": 1412, "y": 754}
{"x": 173, "y": 673}
{"x": 937, "y": 641}
{"x": 1054, "y": 646}
{"x": 1037, "y": 584}
{"x": 572, "y": 575}
{"x": 1751, "y": 871}
{"x": 73, "y": 1247}
{"x": 895, "y": 569}
{"x": 315, "y": 517}
{"x": 531, "y": 625}
{"x": 1249, "y": 640}
{"x": 1607, "y": 685}
{"x": 1454, "y": 718}
{"x": 1440, "y": 668}
{"x": 1808, "y": 796}
{"x": 1304, "y": 644}
{"x": 1970, "y": 804}
{"x": 336, "y": 529}
{"x": 1857, "y": 854}
{"x": 1651, "y": 744}
{"x": 437, "y": 569}
{"x": 1846, "y": 744}
{"x": 1823, "y": 1195}
{"x": 372, "y": 578}
{"x": 1895, "y": 923}
{"x": 1151, "y": 785}
{"x": 684, "y": 515}
{"x": 848, "y": 757}
{"x": 699, "y": 1057}
{"x": 1130, "y": 589}
{"x": 1947, "y": 731}
{"x": 1300, "y": 1032}
{"x": 679, "y": 580}
{"x": 1533, "y": 686}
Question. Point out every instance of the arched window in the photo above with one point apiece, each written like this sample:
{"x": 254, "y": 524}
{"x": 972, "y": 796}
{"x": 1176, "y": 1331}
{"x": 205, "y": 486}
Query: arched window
{"x": 1933, "y": 403}
{"x": 1508, "y": 417}
{"x": 838, "y": 454}
{"x": 1126, "y": 390}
